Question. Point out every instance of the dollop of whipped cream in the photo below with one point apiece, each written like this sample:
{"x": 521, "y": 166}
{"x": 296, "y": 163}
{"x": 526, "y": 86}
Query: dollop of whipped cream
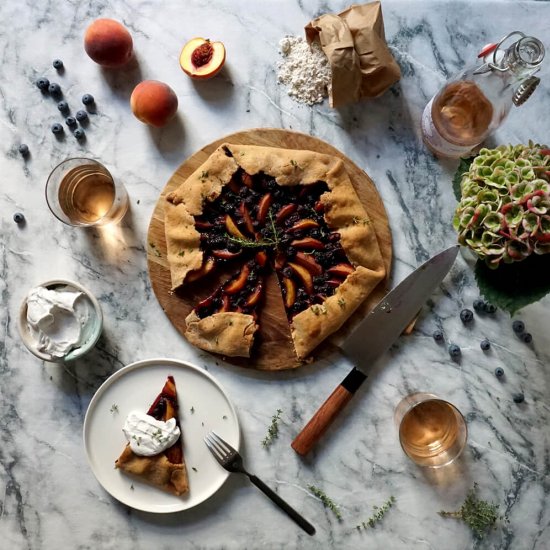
{"x": 148, "y": 436}
{"x": 57, "y": 319}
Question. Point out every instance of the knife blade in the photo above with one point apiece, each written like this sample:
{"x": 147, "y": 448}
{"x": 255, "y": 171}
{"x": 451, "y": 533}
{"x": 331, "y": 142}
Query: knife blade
{"x": 374, "y": 336}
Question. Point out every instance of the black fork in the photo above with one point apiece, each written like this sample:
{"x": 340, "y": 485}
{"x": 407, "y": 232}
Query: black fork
{"x": 232, "y": 461}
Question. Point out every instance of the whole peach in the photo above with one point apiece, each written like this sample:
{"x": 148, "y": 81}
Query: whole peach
{"x": 108, "y": 43}
{"x": 154, "y": 102}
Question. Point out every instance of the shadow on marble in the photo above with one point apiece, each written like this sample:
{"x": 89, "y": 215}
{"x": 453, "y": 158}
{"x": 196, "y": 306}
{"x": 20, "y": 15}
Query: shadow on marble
{"x": 455, "y": 474}
{"x": 217, "y": 90}
{"x": 123, "y": 80}
{"x": 224, "y": 498}
{"x": 92, "y": 370}
{"x": 286, "y": 375}
{"x": 169, "y": 139}
{"x": 110, "y": 242}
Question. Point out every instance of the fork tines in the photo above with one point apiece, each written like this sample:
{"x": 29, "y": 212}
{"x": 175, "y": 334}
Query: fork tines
{"x": 218, "y": 447}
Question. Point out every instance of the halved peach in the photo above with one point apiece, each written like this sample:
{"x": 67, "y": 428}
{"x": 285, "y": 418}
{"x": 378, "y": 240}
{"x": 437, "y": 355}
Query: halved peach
{"x": 206, "y": 267}
{"x": 304, "y": 275}
{"x": 304, "y": 224}
{"x": 307, "y": 242}
{"x": 309, "y": 262}
{"x": 239, "y": 282}
{"x": 232, "y": 228}
{"x": 341, "y": 270}
{"x": 290, "y": 292}
{"x": 200, "y": 58}
{"x": 263, "y": 207}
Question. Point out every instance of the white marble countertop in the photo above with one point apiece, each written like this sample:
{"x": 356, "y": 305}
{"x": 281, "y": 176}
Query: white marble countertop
{"x": 49, "y": 497}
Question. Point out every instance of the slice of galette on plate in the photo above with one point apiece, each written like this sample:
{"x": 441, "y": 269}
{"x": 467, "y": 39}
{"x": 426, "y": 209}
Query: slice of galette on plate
{"x": 154, "y": 452}
{"x": 250, "y": 211}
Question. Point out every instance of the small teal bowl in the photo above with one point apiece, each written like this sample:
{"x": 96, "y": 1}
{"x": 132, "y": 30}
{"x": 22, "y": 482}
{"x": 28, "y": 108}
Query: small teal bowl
{"x": 95, "y": 328}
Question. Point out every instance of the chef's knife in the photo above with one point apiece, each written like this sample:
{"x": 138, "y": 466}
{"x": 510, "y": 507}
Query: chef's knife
{"x": 373, "y": 336}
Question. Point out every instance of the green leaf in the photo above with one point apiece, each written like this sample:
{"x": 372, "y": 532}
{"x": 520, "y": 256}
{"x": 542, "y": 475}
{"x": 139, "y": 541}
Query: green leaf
{"x": 463, "y": 167}
{"x": 513, "y": 286}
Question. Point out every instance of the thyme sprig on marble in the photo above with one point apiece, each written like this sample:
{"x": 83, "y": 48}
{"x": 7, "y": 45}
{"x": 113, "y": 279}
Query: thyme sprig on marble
{"x": 326, "y": 500}
{"x": 378, "y": 515}
{"x": 273, "y": 429}
{"x": 479, "y": 515}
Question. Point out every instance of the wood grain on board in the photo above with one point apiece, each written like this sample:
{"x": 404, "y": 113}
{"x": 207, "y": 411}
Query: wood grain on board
{"x": 273, "y": 349}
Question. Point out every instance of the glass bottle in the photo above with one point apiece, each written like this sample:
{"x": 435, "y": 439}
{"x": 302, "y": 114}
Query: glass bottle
{"x": 475, "y": 102}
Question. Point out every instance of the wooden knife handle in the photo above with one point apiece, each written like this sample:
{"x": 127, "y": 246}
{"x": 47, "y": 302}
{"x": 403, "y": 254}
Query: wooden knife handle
{"x": 327, "y": 413}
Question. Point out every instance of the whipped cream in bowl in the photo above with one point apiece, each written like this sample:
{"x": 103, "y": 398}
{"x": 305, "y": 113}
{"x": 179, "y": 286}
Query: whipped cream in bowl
{"x": 60, "y": 321}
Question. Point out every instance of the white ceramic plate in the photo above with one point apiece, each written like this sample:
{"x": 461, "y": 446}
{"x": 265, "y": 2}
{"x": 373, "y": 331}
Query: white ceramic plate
{"x": 204, "y": 406}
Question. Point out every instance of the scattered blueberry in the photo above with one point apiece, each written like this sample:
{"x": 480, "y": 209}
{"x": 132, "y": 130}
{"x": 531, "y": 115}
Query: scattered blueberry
{"x": 79, "y": 133}
{"x": 87, "y": 99}
{"x": 437, "y": 336}
{"x": 466, "y": 316}
{"x": 518, "y": 326}
{"x": 479, "y": 305}
{"x": 43, "y": 83}
{"x": 81, "y": 115}
{"x": 18, "y": 218}
{"x": 518, "y": 398}
{"x": 527, "y": 337}
{"x": 485, "y": 345}
{"x": 489, "y": 308}
{"x": 23, "y": 149}
{"x": 499, "y": 372}
{"x": 63, "y": 106}
{"x": 57, "y": 64}
{"x": 54, "y": 89}
{"x": 70, "y": 121}
{"x": 454, "y": 350}
{"x": 57, "y": 128}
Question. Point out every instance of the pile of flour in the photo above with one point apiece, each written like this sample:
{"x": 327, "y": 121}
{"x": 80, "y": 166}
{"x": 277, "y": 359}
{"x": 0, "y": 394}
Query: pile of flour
{"x": 305, "y": 70}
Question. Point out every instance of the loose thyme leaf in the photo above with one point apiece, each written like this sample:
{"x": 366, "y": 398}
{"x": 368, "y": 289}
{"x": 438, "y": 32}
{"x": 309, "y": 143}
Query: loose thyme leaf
{"x": 155, "y": 250}
{"x": 114, "y": 408}
{"x": 273, "y": 429}
{"x": 326, "y": 500}
{"x": 379, "y": 513}
{"x": 479, "y": 515}
{"x": 192, "y": 409}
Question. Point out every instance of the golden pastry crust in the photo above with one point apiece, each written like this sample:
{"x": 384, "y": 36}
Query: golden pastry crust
{"x": 156, "y": 470}
{"x": 311, "y": 326}
{"x": 227, "y": 333}
{"x": 344, "y": 214}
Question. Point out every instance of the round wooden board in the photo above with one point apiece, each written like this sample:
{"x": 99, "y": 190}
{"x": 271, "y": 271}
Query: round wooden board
{"x": 274, "y": 349}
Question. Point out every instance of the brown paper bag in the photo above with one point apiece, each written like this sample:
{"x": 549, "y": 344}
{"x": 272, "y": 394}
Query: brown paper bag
{"x": 355, "y": 44}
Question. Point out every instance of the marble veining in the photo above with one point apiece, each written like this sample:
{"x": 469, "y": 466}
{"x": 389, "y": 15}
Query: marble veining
{"x": 49, "y": 497}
